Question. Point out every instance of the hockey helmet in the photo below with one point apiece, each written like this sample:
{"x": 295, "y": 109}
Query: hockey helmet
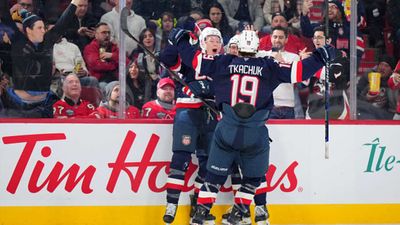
{"x": 248, "y": 42}
{"x": 234, "y": 40}
{"x": 208, "y": 31}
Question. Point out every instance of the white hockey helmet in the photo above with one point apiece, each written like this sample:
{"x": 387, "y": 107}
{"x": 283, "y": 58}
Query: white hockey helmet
{"x": 233, "y": 40}
{"x": 208, "y": 31}
{"x": 248, "y": 42}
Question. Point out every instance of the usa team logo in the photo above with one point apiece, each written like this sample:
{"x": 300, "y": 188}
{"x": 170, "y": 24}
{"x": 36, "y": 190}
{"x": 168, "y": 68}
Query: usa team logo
{"x": 186, "y": 139}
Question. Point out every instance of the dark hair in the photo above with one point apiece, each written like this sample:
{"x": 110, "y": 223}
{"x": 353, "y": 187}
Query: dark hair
{"x": 141, "y": 35}
{"x": 322, "y": 28}
{"x": 100, "y": 24}
{"x": 168, "y": 14}
{"x": 284, "y": 29}
{"x": 224, "y": 27}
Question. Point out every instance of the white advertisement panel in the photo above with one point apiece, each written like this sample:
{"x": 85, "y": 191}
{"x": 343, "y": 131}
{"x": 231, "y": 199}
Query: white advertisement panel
{"x": 68, "y": 164}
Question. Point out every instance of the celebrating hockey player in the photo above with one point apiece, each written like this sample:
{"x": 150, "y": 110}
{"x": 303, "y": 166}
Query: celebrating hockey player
{"x": 194, "y": 123}
{"x": 243, "y": 88}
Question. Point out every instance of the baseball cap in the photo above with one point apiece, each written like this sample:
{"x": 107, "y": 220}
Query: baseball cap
{"x": 165, "y": 81}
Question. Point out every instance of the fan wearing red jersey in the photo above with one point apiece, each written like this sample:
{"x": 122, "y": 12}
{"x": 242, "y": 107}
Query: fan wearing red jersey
{"x": 109, "y": 108}
{"x": 71, "y": 105}
{"x": 164, "y": 106}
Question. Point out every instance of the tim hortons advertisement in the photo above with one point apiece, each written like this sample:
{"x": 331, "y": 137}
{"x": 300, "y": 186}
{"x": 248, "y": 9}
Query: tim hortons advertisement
{"x": 48, "y": 164}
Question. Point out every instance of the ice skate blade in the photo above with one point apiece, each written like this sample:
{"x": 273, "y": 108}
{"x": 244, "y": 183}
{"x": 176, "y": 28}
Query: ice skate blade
{"x": 264, "y": 222}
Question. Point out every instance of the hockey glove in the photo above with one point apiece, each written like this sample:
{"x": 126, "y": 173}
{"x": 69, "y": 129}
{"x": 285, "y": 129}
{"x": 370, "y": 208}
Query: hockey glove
{"x": 176, "y": 35}
{"x": 327, "y": 53}
{"x": 200, "y": 88}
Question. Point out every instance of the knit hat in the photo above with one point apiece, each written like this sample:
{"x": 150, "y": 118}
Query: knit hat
{"x": 165, "y": 81}
{"x": 28, "y": 18}
{"x": 338, "y": 4}
{"x": 109, "y": 88}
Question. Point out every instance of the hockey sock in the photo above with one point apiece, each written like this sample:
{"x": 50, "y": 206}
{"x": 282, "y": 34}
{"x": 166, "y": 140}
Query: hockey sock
{"x": 260, "y": 198}
{"x": 244, "y": 196}
{"x": 176, "y": 177}
{"x": 209, "y": 190}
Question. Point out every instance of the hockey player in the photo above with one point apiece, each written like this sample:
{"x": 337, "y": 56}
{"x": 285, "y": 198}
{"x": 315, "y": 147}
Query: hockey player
{"x": 243, "y": 90}
{"x": 194, "y": 123}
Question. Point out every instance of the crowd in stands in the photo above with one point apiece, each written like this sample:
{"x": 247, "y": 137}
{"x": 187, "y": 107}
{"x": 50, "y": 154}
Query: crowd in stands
{"x": 60, "y": 58}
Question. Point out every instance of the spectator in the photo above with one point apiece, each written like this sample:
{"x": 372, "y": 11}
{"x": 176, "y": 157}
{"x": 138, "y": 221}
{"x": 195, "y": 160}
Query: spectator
{"x": 135, "y": 23}
{"x": 376, "y": 105}
{"x": 135, "y": 81}
{"x": 101, "y": 56}
{"x": 83, "y": 30}
{"x": 163, "y": 107}
{"x": 250, "y": 11}
{"x": 338, "y": 78}
{"x": 22, "y": 4}
{"x": 165, "y": 25}
{"x": 375, "y": 16}
{"x": 32, "y": 63}
{"x": 338, "y": 24}
{"x": 219, "y": 20}
{"x": 288, "y": 8}
{"x": 147, "y": 64}
{"x": 109, "y": 108}
{"x": 284, "y": 95}
{"x": 394, "y": 83}
{"x": 71, "y": 105}
{"x": 294, "y": 43}
{"x": 68, "y": 59}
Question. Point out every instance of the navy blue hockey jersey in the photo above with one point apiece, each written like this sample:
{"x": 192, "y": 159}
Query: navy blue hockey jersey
{"x": 250, "y": 80}
{"x": 170, "y": 57}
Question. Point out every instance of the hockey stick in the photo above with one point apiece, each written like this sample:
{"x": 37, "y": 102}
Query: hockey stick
{"x": 124, "y": 27}
{"x": 326, "y": 96}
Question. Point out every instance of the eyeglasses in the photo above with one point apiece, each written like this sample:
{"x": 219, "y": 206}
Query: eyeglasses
{"x": 25, "y": 5}
{"x": 318, "y": 37}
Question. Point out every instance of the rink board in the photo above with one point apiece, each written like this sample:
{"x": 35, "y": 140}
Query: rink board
{"x": 114, "y": 172}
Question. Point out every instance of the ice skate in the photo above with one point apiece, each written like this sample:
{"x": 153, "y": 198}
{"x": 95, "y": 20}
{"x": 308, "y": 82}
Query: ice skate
{"x": 170, "y": 212}
{"x": 209, "y": 220}
{"x": 237, "y": 217}
{"x": 261, "y": 215}
{"x": 193, "y": 203}
{"x": 200, "y": 216}
{"x": 225, "y": 216}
